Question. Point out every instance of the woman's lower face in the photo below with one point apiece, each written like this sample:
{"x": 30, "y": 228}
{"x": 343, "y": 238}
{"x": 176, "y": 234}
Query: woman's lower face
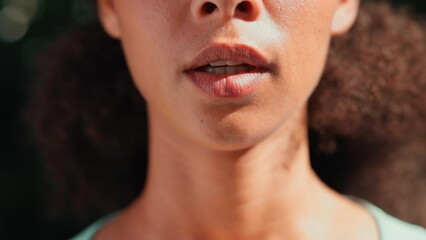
{"x": 224, "y": 73}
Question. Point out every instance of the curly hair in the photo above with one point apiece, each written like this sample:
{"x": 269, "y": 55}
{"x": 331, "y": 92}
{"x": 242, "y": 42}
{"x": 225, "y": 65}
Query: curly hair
{"x": 367, "y": 118}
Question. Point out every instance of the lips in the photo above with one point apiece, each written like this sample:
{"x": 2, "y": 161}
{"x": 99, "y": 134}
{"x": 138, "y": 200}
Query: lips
{"x": 228, "y": 71}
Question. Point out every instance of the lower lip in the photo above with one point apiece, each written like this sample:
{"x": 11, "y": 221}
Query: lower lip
{"x": 227, "y": 86}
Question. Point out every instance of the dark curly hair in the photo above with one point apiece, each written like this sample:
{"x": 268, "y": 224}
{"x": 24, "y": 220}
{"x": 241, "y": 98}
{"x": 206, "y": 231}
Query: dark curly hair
{"x": 367, "y": 118}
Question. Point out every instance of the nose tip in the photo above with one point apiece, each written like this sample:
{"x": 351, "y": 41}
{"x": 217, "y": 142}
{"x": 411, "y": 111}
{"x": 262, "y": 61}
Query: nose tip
{"x": 247, "y": 10}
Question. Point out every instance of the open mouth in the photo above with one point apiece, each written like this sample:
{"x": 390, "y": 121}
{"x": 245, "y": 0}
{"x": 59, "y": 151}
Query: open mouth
{"x": 226, "y": 68}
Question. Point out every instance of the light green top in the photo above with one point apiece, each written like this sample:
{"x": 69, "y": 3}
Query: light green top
{"x": 390, "y": 228}
{"x": 91, "y": 230}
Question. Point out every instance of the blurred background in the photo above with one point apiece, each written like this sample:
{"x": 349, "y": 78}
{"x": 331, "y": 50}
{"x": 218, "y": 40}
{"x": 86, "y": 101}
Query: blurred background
{"x": 26, "y": 28}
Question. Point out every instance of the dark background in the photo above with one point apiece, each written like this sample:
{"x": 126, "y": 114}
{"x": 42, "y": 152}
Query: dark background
{"x": 26, "y": 28}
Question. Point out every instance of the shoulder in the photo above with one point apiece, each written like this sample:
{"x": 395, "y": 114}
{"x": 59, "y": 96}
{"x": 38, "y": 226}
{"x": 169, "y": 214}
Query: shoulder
{"x": 392, "y": 228}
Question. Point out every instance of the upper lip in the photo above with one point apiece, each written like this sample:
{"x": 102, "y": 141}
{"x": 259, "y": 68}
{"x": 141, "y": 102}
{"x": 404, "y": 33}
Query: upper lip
{"x": 230, "y": 52}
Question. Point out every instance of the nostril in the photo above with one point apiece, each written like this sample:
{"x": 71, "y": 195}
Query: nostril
{"x": 247, "y": 10}
{"x": 244, "y": 6}
{"x": 208, "y": 8}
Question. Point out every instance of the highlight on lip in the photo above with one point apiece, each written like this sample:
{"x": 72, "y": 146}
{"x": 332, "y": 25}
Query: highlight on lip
{"x": 226, "y": 86}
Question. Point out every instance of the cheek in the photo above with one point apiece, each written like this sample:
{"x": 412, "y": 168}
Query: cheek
{"x": 146, "y": 39}
{"x": 291, "y": 13}
{"x": 307, "y": 24}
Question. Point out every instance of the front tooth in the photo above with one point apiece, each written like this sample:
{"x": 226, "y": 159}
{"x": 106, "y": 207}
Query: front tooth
{"x": 232, "y": 63}
{"x": 218, "y": 63}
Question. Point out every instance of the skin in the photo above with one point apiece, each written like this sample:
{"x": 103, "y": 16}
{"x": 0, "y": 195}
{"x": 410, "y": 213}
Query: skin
{"x": 235, "y": 168}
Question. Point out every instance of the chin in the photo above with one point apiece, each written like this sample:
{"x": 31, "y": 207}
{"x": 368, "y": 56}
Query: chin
{"x": 236, "y": 132}
{"x": 238, "y": 128}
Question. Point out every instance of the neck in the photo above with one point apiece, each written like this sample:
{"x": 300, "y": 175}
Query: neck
{"x": 266, "y": 191}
